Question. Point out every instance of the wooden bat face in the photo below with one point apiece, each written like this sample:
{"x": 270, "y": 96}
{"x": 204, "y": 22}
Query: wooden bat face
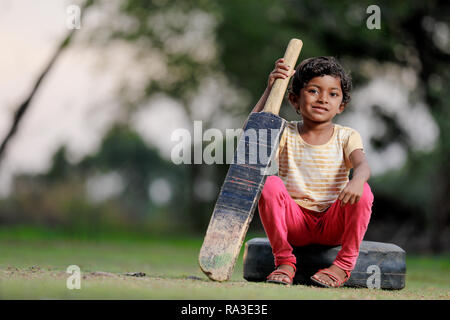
{"x": 240, "y": 193}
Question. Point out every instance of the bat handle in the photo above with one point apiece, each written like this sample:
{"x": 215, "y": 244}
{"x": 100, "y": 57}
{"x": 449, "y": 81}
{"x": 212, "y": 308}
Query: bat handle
{"x": 279, "y": 87}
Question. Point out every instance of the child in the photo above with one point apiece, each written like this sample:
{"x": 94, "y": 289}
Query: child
{"x": 312, "y": 199}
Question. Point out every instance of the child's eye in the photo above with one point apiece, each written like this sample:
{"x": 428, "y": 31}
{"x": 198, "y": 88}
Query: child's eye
{"x": 334, "y": 94}
{"x": 312, "y": 90}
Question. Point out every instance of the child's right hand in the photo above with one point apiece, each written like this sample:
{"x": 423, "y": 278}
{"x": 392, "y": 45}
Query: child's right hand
{"x": 281, "y": 71}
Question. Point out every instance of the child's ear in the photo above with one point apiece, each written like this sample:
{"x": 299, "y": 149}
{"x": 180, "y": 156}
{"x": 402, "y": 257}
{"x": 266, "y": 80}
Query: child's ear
{"x": 293, "y": 99}
{"x": 341, "y": 107}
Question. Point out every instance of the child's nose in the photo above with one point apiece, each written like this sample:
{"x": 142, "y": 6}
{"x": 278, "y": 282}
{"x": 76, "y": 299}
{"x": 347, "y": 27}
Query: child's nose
{"x": 323, "y": 98}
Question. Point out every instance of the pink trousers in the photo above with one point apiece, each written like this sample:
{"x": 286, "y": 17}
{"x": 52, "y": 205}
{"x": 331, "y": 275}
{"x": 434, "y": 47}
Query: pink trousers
{"x": 287, "y": 224}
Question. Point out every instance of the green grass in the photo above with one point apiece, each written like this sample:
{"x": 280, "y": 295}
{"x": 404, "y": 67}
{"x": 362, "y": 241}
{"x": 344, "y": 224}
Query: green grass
{"x": 33, "y": 265}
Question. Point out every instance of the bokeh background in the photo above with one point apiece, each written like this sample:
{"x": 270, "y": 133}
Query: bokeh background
{"x": 87, "y": 115}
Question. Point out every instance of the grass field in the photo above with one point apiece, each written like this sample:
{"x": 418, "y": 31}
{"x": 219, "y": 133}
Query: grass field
{"x": 33, "y": 266}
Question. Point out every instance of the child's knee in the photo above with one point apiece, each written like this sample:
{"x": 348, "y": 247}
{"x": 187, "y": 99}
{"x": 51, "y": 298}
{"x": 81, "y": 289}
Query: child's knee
{"x": 363, "y": 207}
{"x": 367, "y": 196}
{"x": 272, "y": 187}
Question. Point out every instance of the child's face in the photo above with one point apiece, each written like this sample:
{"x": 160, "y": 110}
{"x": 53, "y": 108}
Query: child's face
{"x": 321, "y": 99}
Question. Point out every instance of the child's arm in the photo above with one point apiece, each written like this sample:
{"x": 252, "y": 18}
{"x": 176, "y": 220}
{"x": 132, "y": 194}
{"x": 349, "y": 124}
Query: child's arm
{"x": 281, "y": 71}
{"x": 361, "y": 173}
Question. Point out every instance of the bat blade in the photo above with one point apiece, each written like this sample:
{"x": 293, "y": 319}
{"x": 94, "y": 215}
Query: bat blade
{"x": 239, "y": 194}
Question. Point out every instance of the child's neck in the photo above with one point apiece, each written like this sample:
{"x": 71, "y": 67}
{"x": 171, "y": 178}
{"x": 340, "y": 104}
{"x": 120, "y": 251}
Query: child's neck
{"x": 316, "y": 133}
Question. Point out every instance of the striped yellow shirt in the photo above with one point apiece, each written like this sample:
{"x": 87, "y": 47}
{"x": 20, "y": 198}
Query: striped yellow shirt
{"x": 314, "y": 175}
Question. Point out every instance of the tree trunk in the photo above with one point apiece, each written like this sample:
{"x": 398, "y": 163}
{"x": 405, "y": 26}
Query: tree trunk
{"x": 24, "y": 106}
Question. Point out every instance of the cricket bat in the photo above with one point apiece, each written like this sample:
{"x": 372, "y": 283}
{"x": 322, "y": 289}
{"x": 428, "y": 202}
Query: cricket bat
{"x": 245, "y": 180}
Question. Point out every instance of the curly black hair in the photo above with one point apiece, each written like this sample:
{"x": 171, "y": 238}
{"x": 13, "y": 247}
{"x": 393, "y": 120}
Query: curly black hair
{"x": 320, "y": 66}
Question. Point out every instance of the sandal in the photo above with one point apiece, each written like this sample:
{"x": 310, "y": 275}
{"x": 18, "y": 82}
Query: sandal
{"x": 332, "y": 276}
{"x": 278, "y": 272}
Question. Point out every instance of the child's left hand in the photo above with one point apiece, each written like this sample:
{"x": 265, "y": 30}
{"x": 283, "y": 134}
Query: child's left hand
{"x": 352, "y": 192}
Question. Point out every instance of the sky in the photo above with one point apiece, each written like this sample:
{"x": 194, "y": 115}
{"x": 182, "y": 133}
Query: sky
{"x": 77, "y": 103}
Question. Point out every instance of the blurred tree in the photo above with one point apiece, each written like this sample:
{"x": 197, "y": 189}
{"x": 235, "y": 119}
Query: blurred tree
{"x": 107, "y": 189}
{"x": 182, "y": 32}
{"x": 123, "y": 151}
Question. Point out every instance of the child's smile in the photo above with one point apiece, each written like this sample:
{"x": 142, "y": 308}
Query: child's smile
{"x": 319, "y": 109}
